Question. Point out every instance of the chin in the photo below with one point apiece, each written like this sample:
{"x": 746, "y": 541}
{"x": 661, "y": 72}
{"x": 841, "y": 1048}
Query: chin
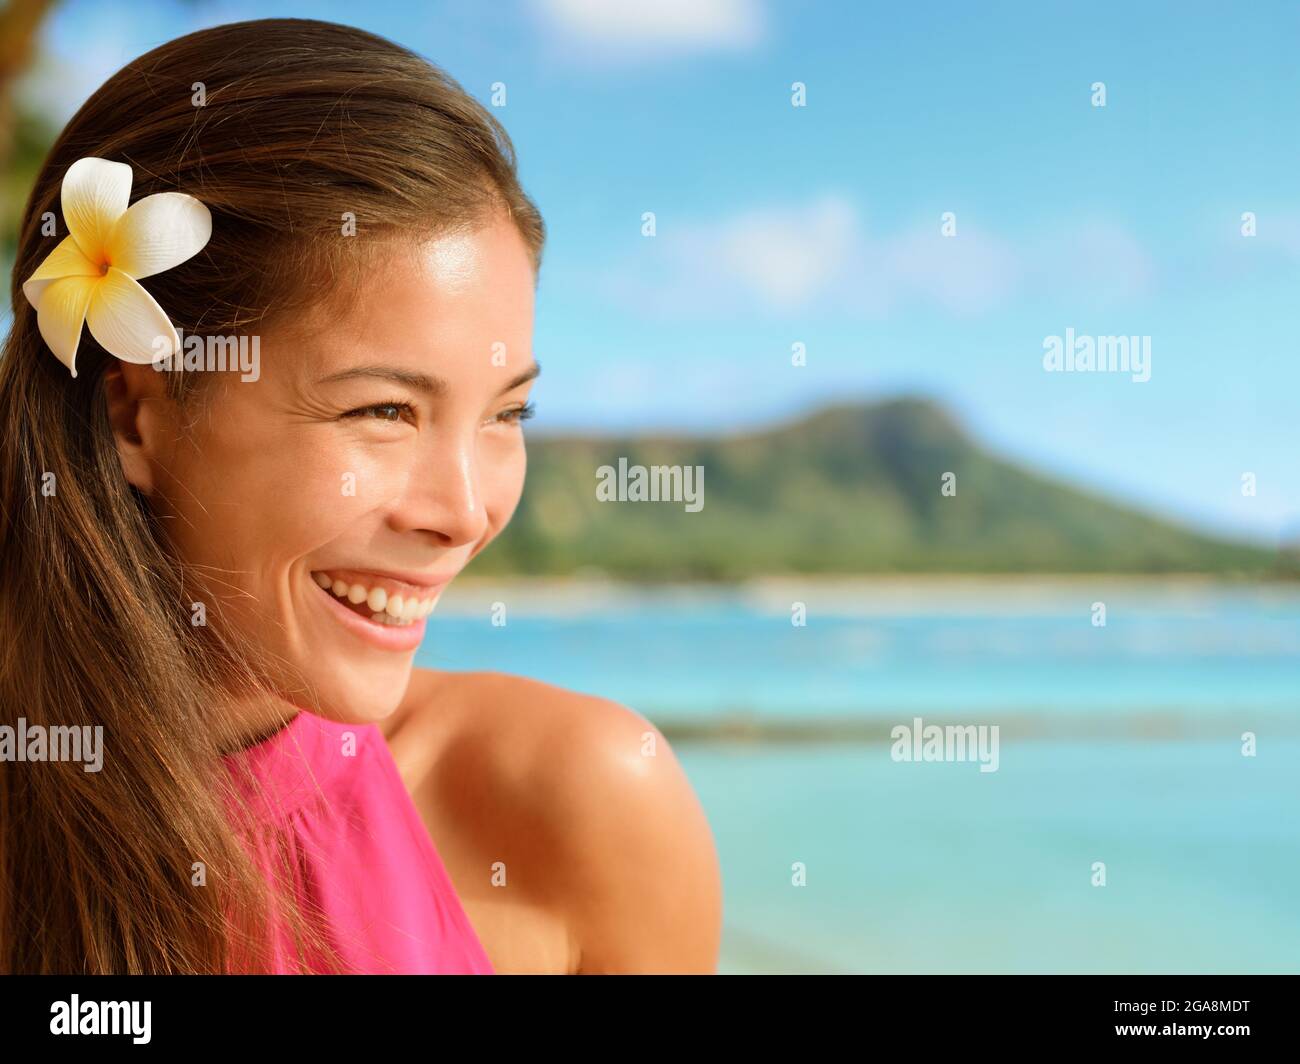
{"x": 363, "y": 695}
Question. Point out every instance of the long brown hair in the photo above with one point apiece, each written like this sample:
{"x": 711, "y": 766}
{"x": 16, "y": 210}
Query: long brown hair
{"x": 283, "y": 128}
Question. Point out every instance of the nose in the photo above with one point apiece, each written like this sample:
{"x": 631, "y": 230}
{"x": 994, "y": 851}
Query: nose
{"x": 443, "y": 495}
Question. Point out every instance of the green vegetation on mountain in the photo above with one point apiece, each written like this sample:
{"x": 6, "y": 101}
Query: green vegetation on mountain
{"x": 851, "y": 489}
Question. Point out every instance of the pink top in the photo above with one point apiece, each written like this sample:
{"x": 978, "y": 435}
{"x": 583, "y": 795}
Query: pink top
{"x": 360, "y": 851}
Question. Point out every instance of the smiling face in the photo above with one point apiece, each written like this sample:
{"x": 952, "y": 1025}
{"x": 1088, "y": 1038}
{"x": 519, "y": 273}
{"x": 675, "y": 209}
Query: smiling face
{"x": 328, "y": 503}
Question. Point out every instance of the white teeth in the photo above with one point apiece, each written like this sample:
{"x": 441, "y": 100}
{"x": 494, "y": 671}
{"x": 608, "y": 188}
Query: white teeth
{"x": 385, "y": 609}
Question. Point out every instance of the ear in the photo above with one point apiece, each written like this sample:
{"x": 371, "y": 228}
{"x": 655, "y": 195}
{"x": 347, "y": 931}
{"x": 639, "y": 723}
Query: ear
{"x": 140, "y": 413}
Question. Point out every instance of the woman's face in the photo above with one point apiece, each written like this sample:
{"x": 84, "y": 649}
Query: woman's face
{"x": 328, "y": 503}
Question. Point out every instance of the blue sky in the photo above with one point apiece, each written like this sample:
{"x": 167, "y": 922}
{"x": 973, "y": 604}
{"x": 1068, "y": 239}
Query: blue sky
{"x": 821, "y": 224}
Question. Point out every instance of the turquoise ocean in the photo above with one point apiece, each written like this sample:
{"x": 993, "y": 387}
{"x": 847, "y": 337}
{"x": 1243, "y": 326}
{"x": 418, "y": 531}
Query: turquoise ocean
{"x": 1119, "y": 743}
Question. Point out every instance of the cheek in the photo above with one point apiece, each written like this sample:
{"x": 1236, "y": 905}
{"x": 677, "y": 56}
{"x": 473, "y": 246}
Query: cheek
{"x": 250, "y": 502}
{"x": 253, "y": 505}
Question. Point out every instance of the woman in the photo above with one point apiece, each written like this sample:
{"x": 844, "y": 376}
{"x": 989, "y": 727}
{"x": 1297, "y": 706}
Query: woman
{"x": 220, "y": 546}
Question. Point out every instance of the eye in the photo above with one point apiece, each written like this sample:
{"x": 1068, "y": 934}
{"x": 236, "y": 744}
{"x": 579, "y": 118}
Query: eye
{"x": 516, "y": 414}
{"x": 394, "y": 411}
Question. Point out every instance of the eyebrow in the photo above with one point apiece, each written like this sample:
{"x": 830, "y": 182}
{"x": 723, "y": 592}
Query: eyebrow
{"x": 420, "y": 382}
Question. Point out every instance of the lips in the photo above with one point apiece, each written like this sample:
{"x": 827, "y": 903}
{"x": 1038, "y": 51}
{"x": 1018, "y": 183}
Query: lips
{"x": 382, "y": 610}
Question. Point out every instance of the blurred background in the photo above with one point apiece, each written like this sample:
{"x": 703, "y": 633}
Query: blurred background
{"x": 841, "y": 302}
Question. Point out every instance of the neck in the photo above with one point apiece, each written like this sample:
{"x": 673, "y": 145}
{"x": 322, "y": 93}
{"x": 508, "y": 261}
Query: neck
{"x": 252, "y": 722}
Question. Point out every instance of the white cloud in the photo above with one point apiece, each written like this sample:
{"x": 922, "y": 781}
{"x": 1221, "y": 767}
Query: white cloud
{"x": 819, "y": 254}
{"x": 967, "y": 273}
{"x": 657, "y": 25}
{"x": 1096, "y": 258}
{"x": 822, "y": 256}
{"x": 781, "y": 257}
{"x": 785, "y": 257}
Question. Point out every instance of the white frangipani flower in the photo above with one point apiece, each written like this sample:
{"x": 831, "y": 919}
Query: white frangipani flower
{"x": 93, "y": 274}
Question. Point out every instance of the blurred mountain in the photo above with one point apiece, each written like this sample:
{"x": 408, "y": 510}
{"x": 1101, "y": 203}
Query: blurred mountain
{"x": 850, "y": 489}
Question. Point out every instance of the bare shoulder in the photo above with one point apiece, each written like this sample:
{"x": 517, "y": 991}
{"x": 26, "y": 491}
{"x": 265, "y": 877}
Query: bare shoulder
{"x": 590, "y": 798}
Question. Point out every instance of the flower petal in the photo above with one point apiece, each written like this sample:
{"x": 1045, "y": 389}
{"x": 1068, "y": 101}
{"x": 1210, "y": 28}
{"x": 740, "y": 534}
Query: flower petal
{"x": 128, "y": 322}
{"x": 159, "y": 232}
{"x": 60, "y": 315}
{"x": 95, "y": 194}
{"x": 66, "y": 260}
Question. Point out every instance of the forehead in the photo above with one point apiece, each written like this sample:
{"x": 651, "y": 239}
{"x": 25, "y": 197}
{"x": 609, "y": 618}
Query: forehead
{"x": 431, "y": 305}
